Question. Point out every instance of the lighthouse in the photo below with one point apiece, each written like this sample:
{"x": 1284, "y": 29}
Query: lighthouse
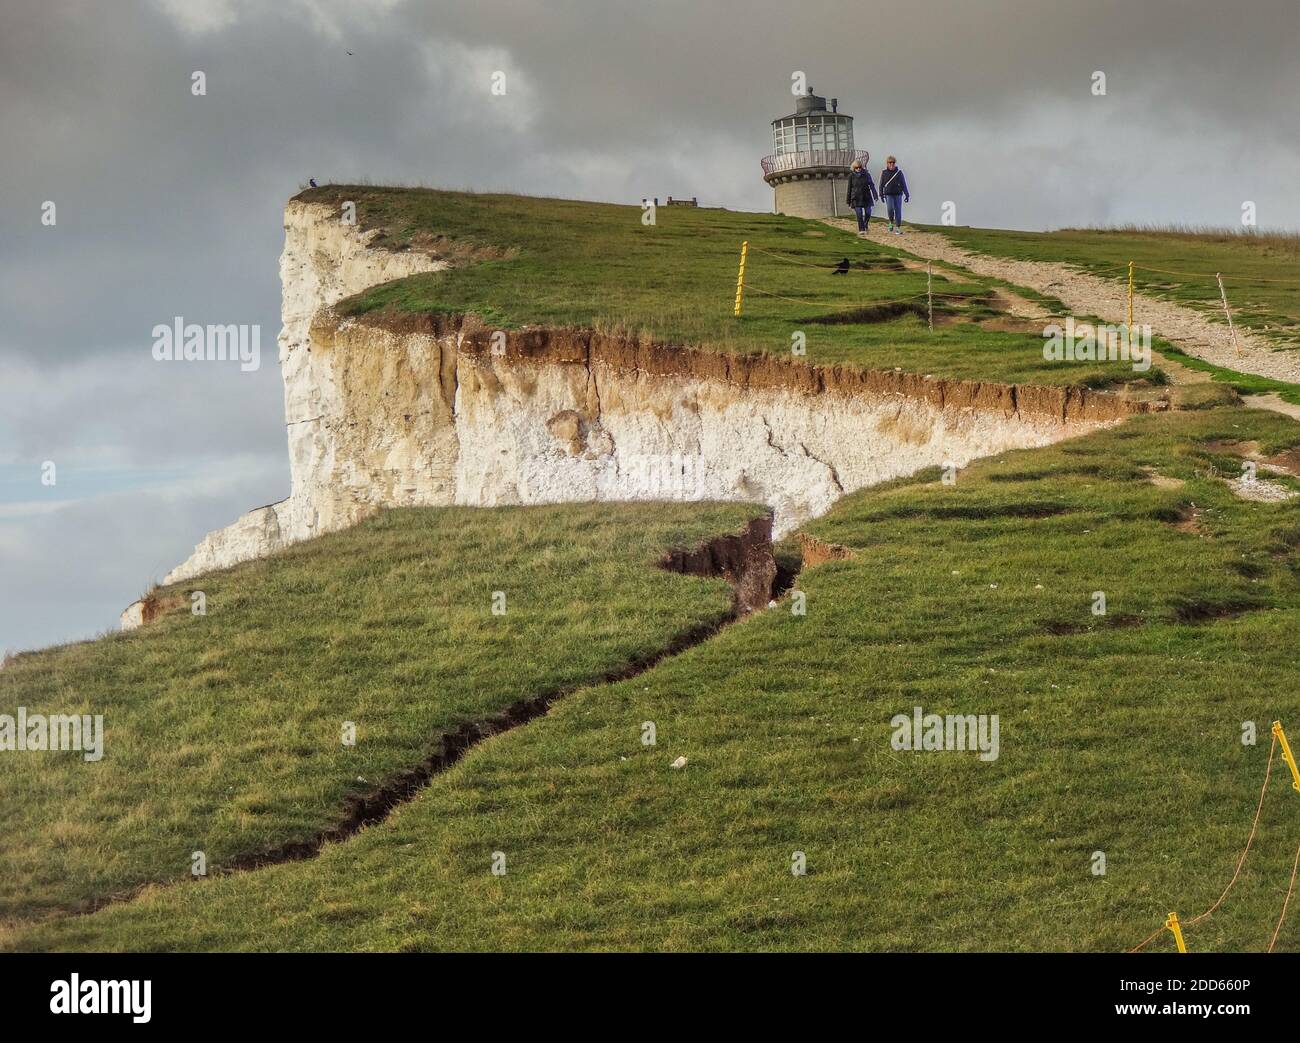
{"x": 812, "y": 150}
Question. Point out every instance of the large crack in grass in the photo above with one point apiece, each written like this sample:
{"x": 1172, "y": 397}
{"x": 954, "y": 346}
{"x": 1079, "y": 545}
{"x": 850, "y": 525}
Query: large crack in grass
{"x": 223, "y": 730}
{"x": 744, "y": 559}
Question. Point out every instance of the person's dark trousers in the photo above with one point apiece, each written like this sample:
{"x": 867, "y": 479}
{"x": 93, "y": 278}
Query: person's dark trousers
{"x": 894, "y": 204}
{"x": 864, "y": 217}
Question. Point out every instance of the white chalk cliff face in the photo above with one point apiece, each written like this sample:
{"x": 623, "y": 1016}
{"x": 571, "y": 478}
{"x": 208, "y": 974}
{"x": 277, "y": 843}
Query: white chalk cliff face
{"x": 439, "y": 411}
{"x": 324, "y": 261}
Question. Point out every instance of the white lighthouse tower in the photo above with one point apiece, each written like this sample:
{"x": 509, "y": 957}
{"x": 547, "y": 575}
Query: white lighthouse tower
{"x": 812, "y": 150}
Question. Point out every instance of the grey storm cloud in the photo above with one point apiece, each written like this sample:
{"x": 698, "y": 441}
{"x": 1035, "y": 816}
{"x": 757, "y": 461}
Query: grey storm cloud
{"x": 169, "y": 204}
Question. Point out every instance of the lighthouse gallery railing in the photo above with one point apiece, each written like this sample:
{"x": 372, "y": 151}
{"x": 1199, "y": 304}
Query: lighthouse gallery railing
{"x": 833, "y": 157}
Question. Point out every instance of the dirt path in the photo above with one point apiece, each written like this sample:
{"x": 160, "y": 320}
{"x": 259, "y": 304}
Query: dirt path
{"x": 1087, "y": 294}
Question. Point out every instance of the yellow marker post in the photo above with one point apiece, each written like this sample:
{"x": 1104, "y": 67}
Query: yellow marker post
{"x": 1130, "y": 297}
{"x": 1173, "y": 925}
{"x": 740, "y": 279}
{"x": 1286, "y": 755}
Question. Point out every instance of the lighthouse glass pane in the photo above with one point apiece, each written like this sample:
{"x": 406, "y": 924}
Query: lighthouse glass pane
{"x": 801, "y": 136}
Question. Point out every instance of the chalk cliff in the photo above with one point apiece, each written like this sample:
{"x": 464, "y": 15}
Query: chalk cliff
{"x": 426, "y": 410}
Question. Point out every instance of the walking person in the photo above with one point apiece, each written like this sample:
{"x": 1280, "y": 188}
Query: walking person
{"x": 893, "y": 190}
{"x": 862, "y": 194}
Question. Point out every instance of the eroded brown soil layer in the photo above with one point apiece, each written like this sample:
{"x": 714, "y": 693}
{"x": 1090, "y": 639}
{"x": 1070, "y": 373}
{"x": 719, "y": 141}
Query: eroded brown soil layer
{"x": 630, "y": 352}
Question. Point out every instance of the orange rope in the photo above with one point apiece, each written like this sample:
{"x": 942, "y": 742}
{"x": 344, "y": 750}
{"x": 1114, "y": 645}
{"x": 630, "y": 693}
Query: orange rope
{"x": 808, "y": 264}
{"x": 1252, "y": 278}
{"x": 837, "y": 304}
{"x": 1122, "y": 269}
{"x": 1290, "y": 888}
{"x": 1166, "y": 271}
{"x": 1227, "y": 278}
{"x": 1254, "y": 826}
{"x": 1147, "y": 940}
{"x": 793, "y": 300}
{"x": 1249, "y": 840}
{"x": 791, "y": 260}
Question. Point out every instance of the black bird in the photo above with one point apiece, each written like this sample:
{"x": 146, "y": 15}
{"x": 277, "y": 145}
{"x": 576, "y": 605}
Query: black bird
{"x": 841, "y": 268}
{"x": 312, "y": 182}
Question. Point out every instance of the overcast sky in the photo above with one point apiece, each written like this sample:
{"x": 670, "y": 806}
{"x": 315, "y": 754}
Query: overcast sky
{"x": 170, "y": 204}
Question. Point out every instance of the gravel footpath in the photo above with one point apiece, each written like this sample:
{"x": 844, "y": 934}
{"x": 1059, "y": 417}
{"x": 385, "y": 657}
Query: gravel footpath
{"x": 1086, "y": 294}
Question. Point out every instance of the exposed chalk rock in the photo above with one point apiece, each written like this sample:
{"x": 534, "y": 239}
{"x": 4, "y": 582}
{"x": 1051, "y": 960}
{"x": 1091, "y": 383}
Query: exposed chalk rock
{"x": 324, "y": 260}
{"x": 132, "y": 617}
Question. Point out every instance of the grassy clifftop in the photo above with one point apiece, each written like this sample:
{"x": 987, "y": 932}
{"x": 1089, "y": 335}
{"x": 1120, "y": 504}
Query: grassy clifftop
{"x": 520, "y": 260}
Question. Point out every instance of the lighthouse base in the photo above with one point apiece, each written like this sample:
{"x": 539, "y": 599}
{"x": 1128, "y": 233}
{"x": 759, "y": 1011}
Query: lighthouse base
{"x": 812, "y": 197}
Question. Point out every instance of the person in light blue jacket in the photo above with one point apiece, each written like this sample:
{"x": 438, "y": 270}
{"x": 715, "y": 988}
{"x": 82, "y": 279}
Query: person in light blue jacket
{"x": 893, "y": 190}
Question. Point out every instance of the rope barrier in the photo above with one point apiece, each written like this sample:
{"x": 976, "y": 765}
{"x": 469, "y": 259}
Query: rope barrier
{"x": 1236, "y": 873}
{"x": 793, "y": 300}
{"x": 826, "y": 304}
{"x": 1231, "y": 278}
{"x": 791, "y": 260}
{"x": 1101, "y": 272}
{"x": 1286, "y": 901}
{"x": 1148, "y": 939}
{"x": 1189, "y": 275}
{"x": 1252, "y": 279}
{"x": 1166, "y": 271}
{"x": 1268, "y": 771}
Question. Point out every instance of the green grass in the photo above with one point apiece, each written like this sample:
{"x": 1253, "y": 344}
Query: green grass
{"x": 523, "y": 261}
{"x": 1119, "y": 733}
{"x": 224, "y": 731}
{"x": 1259, "y": 271}
{"x": 1242, "y": 383}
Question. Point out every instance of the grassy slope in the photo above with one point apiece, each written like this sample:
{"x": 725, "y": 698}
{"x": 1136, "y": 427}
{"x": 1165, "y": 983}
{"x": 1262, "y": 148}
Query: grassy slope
{"x": 575, "y": 263}
{"x": 1119, "y": 734}
{"x": 223, "y": 731}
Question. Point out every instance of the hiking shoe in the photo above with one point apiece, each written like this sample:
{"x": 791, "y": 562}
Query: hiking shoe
{"x": 898, "y": 231}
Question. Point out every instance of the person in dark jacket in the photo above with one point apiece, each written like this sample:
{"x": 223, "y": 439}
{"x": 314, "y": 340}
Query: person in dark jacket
{"x": 862, "y": 194}
{"x": 893, "y": 190}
